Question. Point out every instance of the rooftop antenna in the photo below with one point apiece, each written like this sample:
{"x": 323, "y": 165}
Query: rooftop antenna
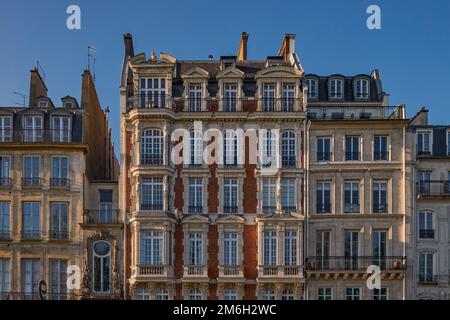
{"x": 40, "y": 69}
{"x": 24, "y": 99}
{"x": 90, "y": 56}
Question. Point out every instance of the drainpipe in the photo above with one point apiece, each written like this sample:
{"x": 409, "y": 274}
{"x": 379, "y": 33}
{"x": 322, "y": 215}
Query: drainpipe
{"x": 306, "y": 195}
{"x": 404, "y": 208}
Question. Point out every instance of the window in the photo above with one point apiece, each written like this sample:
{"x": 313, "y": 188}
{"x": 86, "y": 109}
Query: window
{"x": 230, "y": 244}
{"x": 43, "y": 104}
{"x": 351, "y": 148}
{"x": 230, "y": 148}
{"x": 60, "y": 170}
{"x": 336, "y": 89}
{"x": 424, "y": 185}
{"x": 196, "y": 148}
{"x": 142, "y": 294}
{"x": 362, "y": 89}
{"x": 270, "y": 248}
{"x": 162, "y": 294}
{"x": 33, "y": 129}
{"x": 102, "y": 267}
{"x": 351, "y": 250}
{"x": 61, "y": 129}
{"x": 31, "y": 171}
{"x": 59, "y": 220}
{"x": 68, "y": 105}
{"x": 269, "y": 145}
{"x": 230, "y": 194}
{"x": 151, "y": 194}
{"x": 5, "y": 228}
{"x": 379, "y": 197}
{"x": 105, "y": 207}
{"x": 380, "y": 145}
{"x": 322, "y": 249}
{"x": 31, "y": 270}
{"x": 152, "y": 147}
{"x": 352, "y": 294}
{"x": 351, "y": 197}
{"x": 195, "y": 97}
{"x": 426, "y": 268}
{"x": 325, "y": 294}
{"x": 290, "y": 248}
{"x": 426, "y": 230}
{"x": 288, "y": 94}
{"x": 152, "y": 243}
{"x": 4, "y": 278}
{"x": 195, "y": 249}
{"x": 288, "y": 195}
{"x": 288, "y": 149}
{"x": 31, "y": 220}
{"x": 195, "y": 294}
{"x": 229, "y": 294}
{"x": 268, "y": 294}
{"x": 5, "y": 129}
{"x": 379, "y": 248}
{"x": 423, "y": 143}
{"x": 268, "y": 97}
{"x": 269, "y": 195}
{"x": 58, "y": 279}
{"x": 287, "y": 294}
{"x": 324, "y": 149}
{"x": 448, "y": 143}
{"x": 323, "y": 197}
{"x": 152, "y": 92}
{"x": 312, "y": 88}
{"x": 195, "y": 195}
{"x": 380, "y": 294}
{"x": 230, "y": 95}
{"x": 5, "y": 165}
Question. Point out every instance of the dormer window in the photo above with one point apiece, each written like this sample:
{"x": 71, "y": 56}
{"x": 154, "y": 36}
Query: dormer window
{"x": 152, "y": 93}
{"x": 68, "y": 105}
{"x": 312, "y": 88}
{"x": 362, "y": 89}
{"x": 336, "y": 89}
{"x": 230, "y": 95}
{"x": 195, "y": 97}
{"x": 227, "y": 61}
{"x": 43, "y": 104}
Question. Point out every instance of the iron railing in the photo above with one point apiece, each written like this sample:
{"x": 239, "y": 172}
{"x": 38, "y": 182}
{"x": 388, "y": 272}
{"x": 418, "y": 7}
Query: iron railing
{"x": 31, "y": 234}
{"x": 426, "y": 234}
{"x": 352, "y": 156}
{"x": 323, "y": 208}
{"x": 5, "y": 182}
{"x": 59, "y": 182}
{"x": 433, "y": 188}
{"x": 101, "y": 217}
{"x": 357, "y": 263}
{"x": 59, "y": 235}
{"x": 428, "y": 279}
{"x": 356, "y": 113}
{"x": 380, "y": 208}
{"x": 5, "y": 233}
{"x": 31, "y": 182}
{"x": 381, "y": 155}
{"x": 38, "y": 135}
{"x": 351, "y": 208}
{"x": 324, "y": 156}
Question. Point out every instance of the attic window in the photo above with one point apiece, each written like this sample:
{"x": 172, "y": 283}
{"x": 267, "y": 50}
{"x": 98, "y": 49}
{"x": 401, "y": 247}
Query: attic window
{"x": 68, "y": 105}
{"x": 274, "y": 61}
{"x": 227, "y": 61}
{"x": 43, "y": 104}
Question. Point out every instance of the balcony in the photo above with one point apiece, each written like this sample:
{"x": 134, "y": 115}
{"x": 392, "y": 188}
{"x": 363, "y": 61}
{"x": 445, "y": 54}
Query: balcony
{"x": 5, "y": 234}
{"x": 231, "y": 272}
{"x": 145, "y": 273}
{"x": 426, "y": 234}
{"x": 101, "y": 217}
{"x": 380, "y": 208}
{"x": 195, "y": 271}
{"x": 433, "y": 189}
{"x": 31, "y": 235}
{"x": 351, "y": 208}
{"x": 214, "y": 104}
{"x": 280, "y": 272}
{"x": 5, "y": 183}
{"x": 428, "y": 279}
{"x": 356, "y": 113}
{"x": 38, "y": 135}
{"x": 59, "y": 183}
{"x": 391, "y": 266}
{"x": 31, "y": 182}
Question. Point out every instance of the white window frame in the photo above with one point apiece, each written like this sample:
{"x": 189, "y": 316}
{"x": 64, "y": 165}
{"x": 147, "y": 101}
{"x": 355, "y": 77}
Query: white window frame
{"x": 336, "y": 87}
{"x": 379, "y": 186}
{"x": 230, "y": 93}
{"x": 424, "y": 147}
{"x": 352, "y": 187}
{"x": 162, "y": 294}
{"x": 290, "y": 247}
{"x": 61, "y": 132}
{"x": 230, "y": 249}
{"x": 288, "y": 149}
{"x": 288, "y": 96}
{"x": 230, "y": 193}
{"x": 6, "y": 131}
{"x": 195, "y": 194}
{"x": 5, "y": 276}
{"x": 312, "y": 94}
{"x": 195, "y": 294}
{"x": 268, "y": 95}
{"x": 196, "y": 242}
{"x": 33, "y": 133}
{"x": 151, "y": 248}
{"x": 378, "y": 140}
{"x": 229, "y": 294}
{"x": 323, "y": 187}
{"x": 152, "y": 147}
{"x": 195, "y": 148}
{"x": 230, "y": 146}
{"x": 355, "y": 143}
{"x": 289, "y": 194}
{"x": 325, "y": 294}
{"x": 268, "y": 294}
{"x": 108, "y": 256}
{"x": 148, "y": 91}
{"x": 195, "y": 97}
{"x": 354, "y": 293}
{"x": 151, "y": 197}
{"x": 362, "y": 89}
{"x": 270, "y": 247}
{"x": 324, "y": 150}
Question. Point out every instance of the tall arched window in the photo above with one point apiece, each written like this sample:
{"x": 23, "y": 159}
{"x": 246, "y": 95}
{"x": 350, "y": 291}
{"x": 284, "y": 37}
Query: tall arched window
{"x": 102, "y": 267}
{"x": 152, "y": 147}
{"x": 196, "y": 148}
{"x": 288, "y": 149}
{"x": 195, "y": 294}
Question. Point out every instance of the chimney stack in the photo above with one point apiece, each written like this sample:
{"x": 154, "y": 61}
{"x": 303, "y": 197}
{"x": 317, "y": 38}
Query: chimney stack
{"x": 37, "y": 87}
{"x": 242, "y": 52}
{"x": 287, "y": 46}
{"x": 128, "y": 41}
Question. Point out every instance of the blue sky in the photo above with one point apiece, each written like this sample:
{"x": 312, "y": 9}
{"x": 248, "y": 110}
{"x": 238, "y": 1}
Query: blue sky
{"x": 412, "y": 50}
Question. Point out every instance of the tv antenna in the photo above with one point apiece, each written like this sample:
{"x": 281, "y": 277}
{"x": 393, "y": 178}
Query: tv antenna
{"x": 40, "y": 69}
{"x": 91, "y": 59}
{"x": 23, "y": 97}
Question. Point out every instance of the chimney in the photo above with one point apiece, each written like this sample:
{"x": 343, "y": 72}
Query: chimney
{"x": 37, "y": 87}
{"x": 287, "y": 46}
{"x": 242, "y": 52}
{"x": 128, "y": 41}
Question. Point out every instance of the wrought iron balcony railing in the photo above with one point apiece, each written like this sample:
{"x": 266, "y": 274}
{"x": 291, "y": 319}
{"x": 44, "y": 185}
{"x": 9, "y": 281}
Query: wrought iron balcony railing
{"x": 5, "y": 182}
{"x": 351, "y": 208}
{"x": 323, "y": 208}
{"x": 356, "y": 263}
{"x": 31, "y": 182}
{"x": 59, "y": 235}
{"x": 427, "y": 279}
{"x": 31, "y": 234}
{"x": 426, "y": 234}
{"x": 324, "y": 156}
{"x": 5, "y": 234}
{"x": 102, "y": 217}
{"x": 37, "y": 135}
{"x": 356, "y": 113}
{"x": 380, "y": 208}
{"x": 433, "y": 188}
{"x": 214, "y": 104}
{"x": 59, "y": 182}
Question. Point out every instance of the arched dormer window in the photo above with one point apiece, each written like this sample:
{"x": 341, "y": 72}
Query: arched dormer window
{"x": 336, "y": 88}
{"x": 313, "y": 88}
{"x": 152, "y": 149}
{"x": 361, "y": 88}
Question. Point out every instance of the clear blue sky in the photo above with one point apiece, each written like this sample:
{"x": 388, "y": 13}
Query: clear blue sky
{"x": 412, "y": 49}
